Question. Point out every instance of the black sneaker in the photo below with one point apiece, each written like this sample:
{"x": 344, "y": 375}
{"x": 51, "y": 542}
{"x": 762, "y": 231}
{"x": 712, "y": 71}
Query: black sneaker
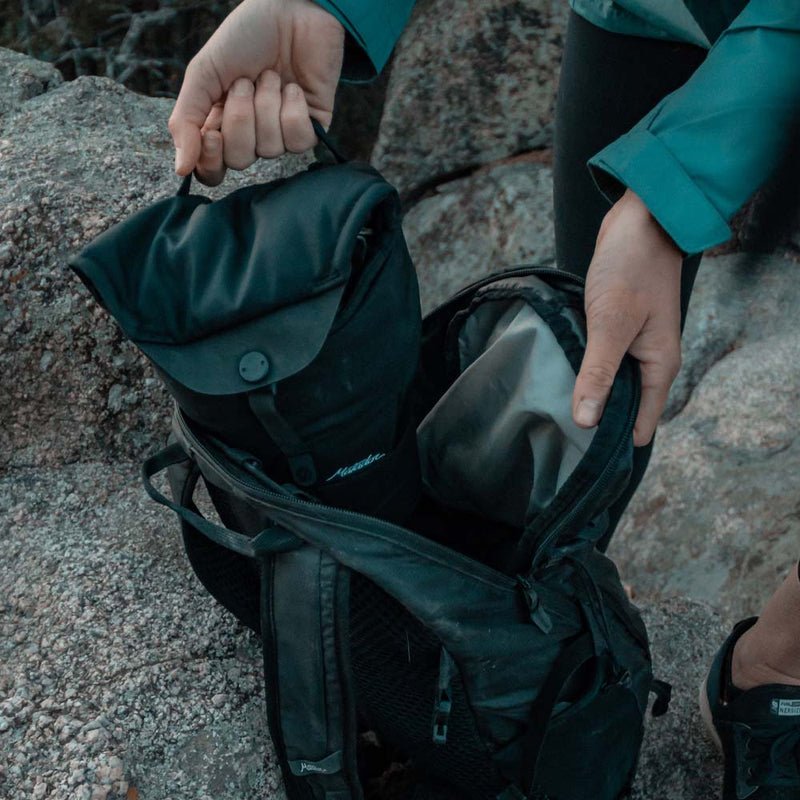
{"x": 758, "y": 730}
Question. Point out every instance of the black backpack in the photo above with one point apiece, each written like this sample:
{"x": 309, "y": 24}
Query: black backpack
{"x": 485, "y": 638}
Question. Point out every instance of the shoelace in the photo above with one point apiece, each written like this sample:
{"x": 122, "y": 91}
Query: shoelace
{"x": 771, "y": 757}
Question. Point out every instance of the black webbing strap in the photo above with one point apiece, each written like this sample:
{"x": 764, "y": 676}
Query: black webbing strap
{"x": 297, "y": 452}
{"x": 271, "y": 540}
{"x": 310, "y": 707}
{"x": 325, "y": 138}
{"x": 574, "y": 656}
{"x": 663, "y": 692}
{"x": 262, "y": 404}
{"x": 185, "y": 187}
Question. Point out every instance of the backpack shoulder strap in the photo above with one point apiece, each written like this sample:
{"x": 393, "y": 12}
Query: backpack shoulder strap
{"x": 304, "y": 611}
{"x": 305, "y": 601}
{"x": 573, "y": 657}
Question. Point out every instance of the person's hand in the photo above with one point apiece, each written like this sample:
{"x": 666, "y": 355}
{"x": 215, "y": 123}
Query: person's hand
{"x": 252, "y": 88}
{"x": 633, "y": 290}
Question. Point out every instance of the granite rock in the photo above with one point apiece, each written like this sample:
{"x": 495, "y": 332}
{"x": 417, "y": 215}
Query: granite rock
{"x": 23, "y": 78}
{"x": 470, "y": 83}
{"x": 119, "y": 672}
{"x": 498, "y": 217}
{"x": 735, "y": 298}
{"x": 716, "y": 517}
{"x": 74, "y": 161}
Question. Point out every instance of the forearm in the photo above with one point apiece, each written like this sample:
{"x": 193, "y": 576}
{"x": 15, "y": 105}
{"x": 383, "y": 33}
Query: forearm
{"x": 704, "y": 150}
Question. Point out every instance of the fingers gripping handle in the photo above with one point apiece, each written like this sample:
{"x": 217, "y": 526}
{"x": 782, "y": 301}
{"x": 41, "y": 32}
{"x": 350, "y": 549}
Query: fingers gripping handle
{"x": 270, "y": 540}
{"x": 322, "y": 135}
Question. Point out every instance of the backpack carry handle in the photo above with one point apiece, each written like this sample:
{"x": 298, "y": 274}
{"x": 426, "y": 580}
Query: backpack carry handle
{"x": 325, "y": 138}
{"x": 322, "y": 135}
{"x": 271, "y": 540}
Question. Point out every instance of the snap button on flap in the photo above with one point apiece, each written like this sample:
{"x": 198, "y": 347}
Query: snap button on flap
{"x": 253, "y": 366}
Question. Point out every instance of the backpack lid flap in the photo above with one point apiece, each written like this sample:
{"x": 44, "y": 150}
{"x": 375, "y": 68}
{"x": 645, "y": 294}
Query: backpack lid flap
{"x": 241, "y": 292}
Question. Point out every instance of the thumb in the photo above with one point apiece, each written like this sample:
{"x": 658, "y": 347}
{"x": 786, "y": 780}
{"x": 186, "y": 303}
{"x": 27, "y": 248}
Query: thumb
{"x": 201, "y": 88}
{"x": 605, "y": 347}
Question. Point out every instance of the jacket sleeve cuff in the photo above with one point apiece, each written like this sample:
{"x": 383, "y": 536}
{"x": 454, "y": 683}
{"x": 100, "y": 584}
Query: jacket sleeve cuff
{"x": 364, "y": 55}
{"x": 640, "y": 161}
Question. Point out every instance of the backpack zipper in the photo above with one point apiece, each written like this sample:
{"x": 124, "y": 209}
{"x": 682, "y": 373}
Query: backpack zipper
{"x": 427, "y": 548}
{"x": 596, "y": 489}
{"x": 512, "y": 272}
{"x": 533, "y": 603}
{"x": 469, "y": 566}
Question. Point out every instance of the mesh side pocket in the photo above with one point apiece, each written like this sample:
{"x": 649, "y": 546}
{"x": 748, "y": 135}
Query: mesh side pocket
{"x": 234, "y": 580}
{"x": 395, "y": 663}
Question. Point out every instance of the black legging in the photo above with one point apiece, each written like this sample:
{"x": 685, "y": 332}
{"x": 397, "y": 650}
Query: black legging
{"x": 608, "y": 83}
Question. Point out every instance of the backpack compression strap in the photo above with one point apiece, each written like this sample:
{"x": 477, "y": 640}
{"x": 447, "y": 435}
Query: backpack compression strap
{"x": 304, "y": 609}
{"x": 271, "y": 540}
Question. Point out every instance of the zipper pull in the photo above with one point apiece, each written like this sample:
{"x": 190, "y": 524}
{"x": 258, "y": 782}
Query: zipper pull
{"x": 533, "y": 603}
{"x": 444, "y": 697}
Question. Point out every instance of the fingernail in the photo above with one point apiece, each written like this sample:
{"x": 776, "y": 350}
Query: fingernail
{"x": 211, "y": 141}
{"x": 293, "y": 91}
{"x": 242, "y": 87}
{"x": 588, "y": 413}
{"x": 177, "y": 159}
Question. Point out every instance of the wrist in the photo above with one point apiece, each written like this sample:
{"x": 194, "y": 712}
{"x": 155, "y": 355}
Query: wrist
{"x": 633, "y": 208}
{"x": 311, "y": 6}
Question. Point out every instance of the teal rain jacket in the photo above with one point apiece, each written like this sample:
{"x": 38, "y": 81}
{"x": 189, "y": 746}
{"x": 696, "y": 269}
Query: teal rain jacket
{"x": 698, "y": 155}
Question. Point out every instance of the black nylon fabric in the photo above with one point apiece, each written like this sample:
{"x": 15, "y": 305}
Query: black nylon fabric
{"x": 192, "y": 295}
{"x": 460, "y": 602}
{"x": 428, "y": 596}
{"x": 280, "y": 292}
{"x": 502, "y": 658}
{"x": 342, "y": 386}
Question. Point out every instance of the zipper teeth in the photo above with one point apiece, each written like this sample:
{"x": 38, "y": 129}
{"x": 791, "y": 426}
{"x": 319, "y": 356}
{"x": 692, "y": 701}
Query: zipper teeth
{"x": 598, "y": 486}
{"x": 511, "y": 272}
{"x": 498, "y": 579}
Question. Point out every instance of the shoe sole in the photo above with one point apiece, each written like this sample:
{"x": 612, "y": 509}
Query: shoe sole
{"x": 705, "y": 713}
